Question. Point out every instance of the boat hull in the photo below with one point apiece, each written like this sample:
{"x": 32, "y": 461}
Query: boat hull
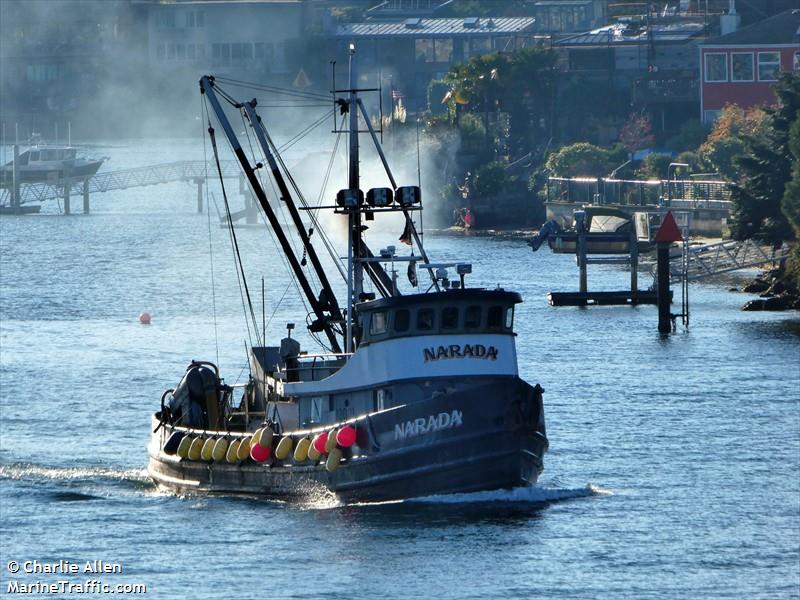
{"x": 493, "y": 437}
{"x": 80, "y": 170}
{"x": 567, "y": 243}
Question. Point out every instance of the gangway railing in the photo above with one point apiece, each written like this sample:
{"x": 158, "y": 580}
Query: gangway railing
{"x": 191, "y": 170}
{"x": 723, "y": 257}
{"x": 672, "y": 193}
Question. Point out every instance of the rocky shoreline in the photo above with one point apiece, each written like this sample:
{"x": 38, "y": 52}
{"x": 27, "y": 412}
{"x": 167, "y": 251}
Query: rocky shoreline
{"x": 775, "y": 291}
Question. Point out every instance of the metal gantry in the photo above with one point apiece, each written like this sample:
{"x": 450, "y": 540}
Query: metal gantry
{"x": 192, "y": 171}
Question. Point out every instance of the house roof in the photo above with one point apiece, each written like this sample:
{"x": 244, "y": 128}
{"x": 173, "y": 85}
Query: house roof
{"x": 437, "y": 27}
{"x": 783, "y": 28}
{"x": 622, "y": 33}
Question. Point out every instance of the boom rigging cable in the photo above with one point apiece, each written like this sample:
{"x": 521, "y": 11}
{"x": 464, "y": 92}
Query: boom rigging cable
{"x": 210, "y": 245}
{"x": 240, "y": 275}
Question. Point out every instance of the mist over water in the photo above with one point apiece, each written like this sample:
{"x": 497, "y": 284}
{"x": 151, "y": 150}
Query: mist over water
{"x": 674, "y": 462}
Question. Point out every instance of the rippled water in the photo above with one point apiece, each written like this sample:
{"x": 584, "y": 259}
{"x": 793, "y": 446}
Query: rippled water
{"x": 674, "y": 467}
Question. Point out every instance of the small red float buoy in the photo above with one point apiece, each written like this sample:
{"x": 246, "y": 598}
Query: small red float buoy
{"x": 346, "y": 436}
{"x": 144, "y": 318}
{"x": 259, "y": 454}
{"x": 320, "y": 441}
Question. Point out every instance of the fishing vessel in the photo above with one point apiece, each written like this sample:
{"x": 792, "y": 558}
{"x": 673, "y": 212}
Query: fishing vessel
{"x": 414, "y": 394}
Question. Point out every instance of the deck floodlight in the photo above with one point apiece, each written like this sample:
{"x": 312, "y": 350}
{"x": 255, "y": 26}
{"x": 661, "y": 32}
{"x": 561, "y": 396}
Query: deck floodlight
{"x": 380, "y": 197}
{"x": 408, "y": 195}
{"x": 349, "y": 199}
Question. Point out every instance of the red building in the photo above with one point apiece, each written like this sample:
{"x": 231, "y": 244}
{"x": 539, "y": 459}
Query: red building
{"x": 742, "y": 67}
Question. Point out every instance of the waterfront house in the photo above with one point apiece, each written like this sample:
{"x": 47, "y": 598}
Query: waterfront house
{"x": 742, "y": 67}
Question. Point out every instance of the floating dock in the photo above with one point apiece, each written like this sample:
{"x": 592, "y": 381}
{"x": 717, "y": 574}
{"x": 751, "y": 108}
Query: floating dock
{"x": 602, "y": 298}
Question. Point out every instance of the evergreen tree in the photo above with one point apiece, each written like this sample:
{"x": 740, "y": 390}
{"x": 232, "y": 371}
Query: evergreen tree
{"x": 764, "y": 170}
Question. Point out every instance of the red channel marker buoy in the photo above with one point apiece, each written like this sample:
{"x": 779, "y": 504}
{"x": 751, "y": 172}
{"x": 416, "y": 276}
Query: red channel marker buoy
{"x": 144, "y": 318}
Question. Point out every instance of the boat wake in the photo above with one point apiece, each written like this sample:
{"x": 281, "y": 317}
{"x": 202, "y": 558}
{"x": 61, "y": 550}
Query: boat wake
{"x": 521, "y": 495}
{"x": 88, "y": 477}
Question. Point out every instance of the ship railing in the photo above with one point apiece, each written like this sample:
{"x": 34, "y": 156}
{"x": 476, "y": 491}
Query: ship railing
{"x": 313, "y": 367}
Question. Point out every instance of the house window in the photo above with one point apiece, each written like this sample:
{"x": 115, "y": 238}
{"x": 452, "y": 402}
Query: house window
{"x": 796, "y": 64}
{"x": 716, "y": 67}
{"x": 443, "y": 50}
{"x": 423, "y": 50}
{"x": 769, "y": 65}
{"x": 710, "y": 116}
{"x": 742, "y": 66}
{"x": 161, "y": 51}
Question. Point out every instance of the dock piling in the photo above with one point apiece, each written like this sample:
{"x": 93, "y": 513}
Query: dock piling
{"x": 199, "y": 183}
{"x": 15, "y": 198}
{"x": 86, "y": 195}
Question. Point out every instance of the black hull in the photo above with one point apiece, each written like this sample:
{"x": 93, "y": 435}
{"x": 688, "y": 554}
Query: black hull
{"x": 500, "y": 444}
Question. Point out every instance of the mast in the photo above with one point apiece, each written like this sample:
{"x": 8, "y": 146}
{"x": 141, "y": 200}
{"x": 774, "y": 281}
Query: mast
{"x": 355, "y": 269}
{"x": 323, "y": 321}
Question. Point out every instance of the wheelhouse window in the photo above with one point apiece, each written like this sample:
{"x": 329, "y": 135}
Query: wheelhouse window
{"x": 425, "y": 319}
{"x": 716, "y": 66}
{"x": 34, "y": 156}
{"x": 472, "y": 317}
{"x": 742, "y": 66}
{"x": 378, "y": 322}
{"x": 402, "y": 318}
{"x": 509, "y": 317}
{"x": 769, "y": 65}
{"x": 450, "y": 317}
{"x": 494, "y": 319}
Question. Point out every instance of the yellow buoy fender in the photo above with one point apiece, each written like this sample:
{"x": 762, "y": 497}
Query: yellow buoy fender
{"x": 220, "y": 449}
{"x": 330, "y": 443}
{"x": 313, "y": 453}
{"x": 196, "y": 449}
{"x": 208, "y": 449}
{"x": 334, "y": 458}
{"x": 183, "y": 447}
{"x": 244, "y": 449}
{"x": 233, "y": 450}
{"x": 301, "y": 451}
{"x": 263, "y": 437}
{"x": 284, "y": 448}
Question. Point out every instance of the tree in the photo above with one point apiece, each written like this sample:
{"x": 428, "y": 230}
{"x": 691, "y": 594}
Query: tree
{"x": 519, "y": 84}
{"x": 637, "y": 133}
{"x": 791, "y": 195}
{"x": 580, "y": 160}
{"x": 726, "y": 141}
{"x": 490, "y": 179}
{"x": 655, "y": 166}
{"x": 765, "y": 169}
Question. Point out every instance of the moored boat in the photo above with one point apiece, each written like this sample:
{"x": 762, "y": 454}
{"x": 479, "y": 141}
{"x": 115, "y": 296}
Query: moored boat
{"x": 49, "y": 163}
{"x": 416, "y": 394}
